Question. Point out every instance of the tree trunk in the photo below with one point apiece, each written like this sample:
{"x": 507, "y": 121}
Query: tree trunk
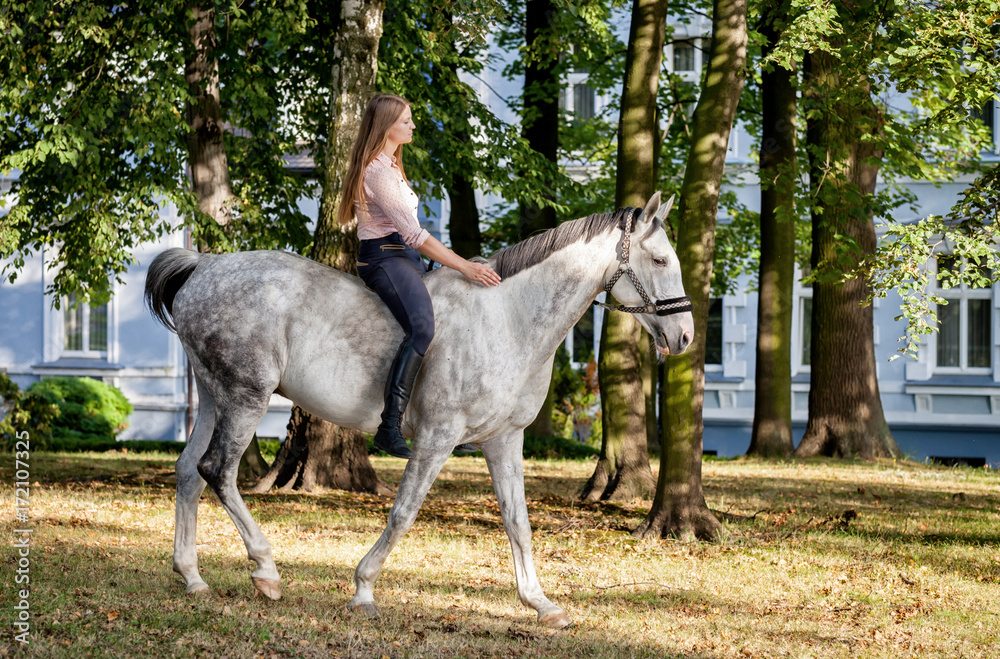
{"x": 540, "y": 127}
{"x": 772, "y": 421}
{"x": 650, "y": 386}
{"x": 540, "y": 116}
{"x": 463, "y": 227}
{"x": 315, "y": 451}
{"x": 322, "y": 455}
{"x": 845, "y": 410}
{"x": 252, "y": 463}
{"x": 679, "y": 507}
{"x": 622, "y": 470}
{"x": 206, "y": 150}
{"x": 207, "y": 160}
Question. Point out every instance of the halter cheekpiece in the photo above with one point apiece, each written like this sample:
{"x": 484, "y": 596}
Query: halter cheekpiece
{"x": 660, "y": 307}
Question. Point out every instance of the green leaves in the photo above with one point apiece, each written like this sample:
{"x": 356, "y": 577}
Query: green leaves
{"x": 970, "y": 234}
{"x": 93, "y": 133}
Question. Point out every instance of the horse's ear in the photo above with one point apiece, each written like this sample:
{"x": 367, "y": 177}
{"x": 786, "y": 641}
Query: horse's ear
{"x": 651, "y": 206}
{"x": 664, "y": 210}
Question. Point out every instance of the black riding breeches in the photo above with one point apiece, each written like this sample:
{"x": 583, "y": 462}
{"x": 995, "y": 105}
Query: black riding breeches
{"x": 393, "y": 270}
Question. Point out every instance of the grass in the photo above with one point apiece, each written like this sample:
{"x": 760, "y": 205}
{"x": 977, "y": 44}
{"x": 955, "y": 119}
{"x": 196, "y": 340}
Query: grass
{"x": 822, "y": 559}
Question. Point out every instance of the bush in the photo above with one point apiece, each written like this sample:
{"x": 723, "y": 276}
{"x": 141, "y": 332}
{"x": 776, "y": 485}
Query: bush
{"x": 554, "y": 448}
{"x": 64, "y": 413}
{"x": 25, "y": 412}
{"x": 576, "y": 397}
{"x": 70, "y": 445}
{"x": 269, "y": 448}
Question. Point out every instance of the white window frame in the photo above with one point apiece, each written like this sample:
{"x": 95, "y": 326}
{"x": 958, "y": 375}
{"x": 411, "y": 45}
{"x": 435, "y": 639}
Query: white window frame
{"x": 961, "y": 296}
{"x": 567, "y": 95}
{"x": 696, "y": 43}
{"x": 693, "y": 43}
{"x": 53, "y": 323}
{"x": 720, "y": 367}
{"x": 800, "y": 322}
{"x": 995, "y": 110}
{"x": 85, "y": 309}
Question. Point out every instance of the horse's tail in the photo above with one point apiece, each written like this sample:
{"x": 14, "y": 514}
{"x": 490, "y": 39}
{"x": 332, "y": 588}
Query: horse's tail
{"x": 167, "y": 273}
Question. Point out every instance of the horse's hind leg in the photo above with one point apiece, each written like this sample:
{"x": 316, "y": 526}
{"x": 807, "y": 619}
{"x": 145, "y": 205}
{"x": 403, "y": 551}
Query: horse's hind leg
{"x": 235, "y": 423}
{"x": 417, "y": 479}
{"x": 503, "y": 457}
{"x": 190, "y": 485}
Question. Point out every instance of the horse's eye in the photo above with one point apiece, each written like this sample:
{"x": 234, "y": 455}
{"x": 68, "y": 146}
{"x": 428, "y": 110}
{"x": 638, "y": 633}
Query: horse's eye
{"x": 660, "y": 261}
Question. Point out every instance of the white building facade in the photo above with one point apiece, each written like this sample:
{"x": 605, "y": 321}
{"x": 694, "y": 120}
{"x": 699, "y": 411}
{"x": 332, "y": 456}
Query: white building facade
{"x": 945, "y": 404}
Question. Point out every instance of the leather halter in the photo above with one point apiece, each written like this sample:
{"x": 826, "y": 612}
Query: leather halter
{"x": 660, "y": 307}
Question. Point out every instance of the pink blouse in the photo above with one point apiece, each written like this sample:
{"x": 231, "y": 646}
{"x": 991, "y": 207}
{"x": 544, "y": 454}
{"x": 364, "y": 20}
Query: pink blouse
{"x": 391, "y": 206}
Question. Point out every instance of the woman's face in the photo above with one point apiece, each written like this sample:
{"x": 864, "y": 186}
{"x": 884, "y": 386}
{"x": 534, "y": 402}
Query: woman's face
{"x": 402, "y": 131}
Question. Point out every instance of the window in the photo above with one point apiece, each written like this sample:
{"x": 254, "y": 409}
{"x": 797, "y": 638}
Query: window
{"x": 965, "y": 324}
{"x": 713, "y": 336}
{"x": 802, "y": 323}
{"x": 583, "y": 101}
{"x": 579, "y": 98}
{"x": 85, "y": 328}
{"x": 988, "y": 115}
{"x": 806, "y": 325}
{"x": 683, "y": 56}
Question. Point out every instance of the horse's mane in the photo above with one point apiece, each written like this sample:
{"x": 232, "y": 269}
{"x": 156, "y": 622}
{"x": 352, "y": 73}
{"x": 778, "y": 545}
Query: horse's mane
{"x": 511, "y": 260}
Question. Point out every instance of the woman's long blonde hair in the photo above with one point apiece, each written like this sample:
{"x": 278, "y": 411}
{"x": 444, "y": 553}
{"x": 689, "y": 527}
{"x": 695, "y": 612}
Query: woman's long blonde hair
{"x": 382, "y": 112}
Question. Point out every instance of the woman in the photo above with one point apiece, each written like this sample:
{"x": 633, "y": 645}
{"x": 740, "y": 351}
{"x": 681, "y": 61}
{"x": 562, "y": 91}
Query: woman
{"x": 377, "y": 192}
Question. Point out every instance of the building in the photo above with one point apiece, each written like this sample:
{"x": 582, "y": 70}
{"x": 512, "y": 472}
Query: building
{"x": 946, "y": 404}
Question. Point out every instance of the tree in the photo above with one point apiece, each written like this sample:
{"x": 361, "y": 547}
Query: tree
{"x": 771, "y": 434}
{"x": 857, "y": 55}
{"x": 317, "y": 452}
{"x": 679, "y": 506}
{"x": 622, "y": 471}
{"x": 205, "y": 145}
{"x": 540, "y": 127}
{"x": 97, "y": 124}
{"x": 206, "y": 152}
{"x": 845, "y": 410}
{"x": 946, "y": 56}
{"x": 540, "y": 107}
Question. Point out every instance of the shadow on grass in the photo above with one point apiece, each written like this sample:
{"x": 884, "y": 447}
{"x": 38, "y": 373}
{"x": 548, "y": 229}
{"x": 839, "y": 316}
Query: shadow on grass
{"x": 119, "y": 609}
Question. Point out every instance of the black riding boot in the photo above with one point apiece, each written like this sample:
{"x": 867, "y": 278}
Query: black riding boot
{"x": 389, "y": 437}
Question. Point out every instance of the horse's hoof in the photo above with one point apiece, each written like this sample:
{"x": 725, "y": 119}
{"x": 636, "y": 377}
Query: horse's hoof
{"x": 270, "y": 588}
{"x": 555, "y": 620}
{"x": 198, "y": 591}
{"x": 367, "y": 608}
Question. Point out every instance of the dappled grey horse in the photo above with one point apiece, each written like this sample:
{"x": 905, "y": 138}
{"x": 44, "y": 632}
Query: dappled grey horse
{"x": 256, "y": 323}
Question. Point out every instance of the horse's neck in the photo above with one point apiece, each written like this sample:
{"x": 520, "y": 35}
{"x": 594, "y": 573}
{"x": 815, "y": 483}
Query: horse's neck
{"x": 550, "y": 297}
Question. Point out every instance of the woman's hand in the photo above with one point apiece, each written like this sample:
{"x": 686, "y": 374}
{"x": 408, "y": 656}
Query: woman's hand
{"x": 480, "y": 272}
{"x": 477, "y": 272}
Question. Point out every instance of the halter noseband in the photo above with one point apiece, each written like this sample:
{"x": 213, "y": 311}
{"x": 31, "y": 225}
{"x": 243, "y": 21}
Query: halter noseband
{"x": 660, "y": 307}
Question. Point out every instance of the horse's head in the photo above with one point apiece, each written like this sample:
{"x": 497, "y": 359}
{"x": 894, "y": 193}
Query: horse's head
{"x": 653, "y": 260}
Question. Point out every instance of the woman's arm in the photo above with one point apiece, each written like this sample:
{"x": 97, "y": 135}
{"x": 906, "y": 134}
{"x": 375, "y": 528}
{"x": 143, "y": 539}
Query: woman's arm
{"x": 433, "y": 249}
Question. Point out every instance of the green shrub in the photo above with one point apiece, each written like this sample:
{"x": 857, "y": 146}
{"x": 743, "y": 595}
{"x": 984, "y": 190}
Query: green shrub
{"x": 269, "y": 448}
{"x": 575, "y": 397}
{"x": 555, "y": 448}
{"x": 31, "y": 412}
{"x": 545, "y": 448}
{"x": 70, "y": 445}
{"x": 64, "y": 413}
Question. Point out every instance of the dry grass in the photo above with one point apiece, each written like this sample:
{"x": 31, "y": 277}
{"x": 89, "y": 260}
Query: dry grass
{"x": 914, "y": 570}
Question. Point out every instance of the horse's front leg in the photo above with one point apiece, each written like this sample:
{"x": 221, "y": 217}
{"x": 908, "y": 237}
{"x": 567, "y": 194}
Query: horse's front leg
{"x": 417, "y": 479}
{"x": 503, "y": 457}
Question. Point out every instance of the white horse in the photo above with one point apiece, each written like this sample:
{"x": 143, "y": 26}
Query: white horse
{"x": 256, "y": 323}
